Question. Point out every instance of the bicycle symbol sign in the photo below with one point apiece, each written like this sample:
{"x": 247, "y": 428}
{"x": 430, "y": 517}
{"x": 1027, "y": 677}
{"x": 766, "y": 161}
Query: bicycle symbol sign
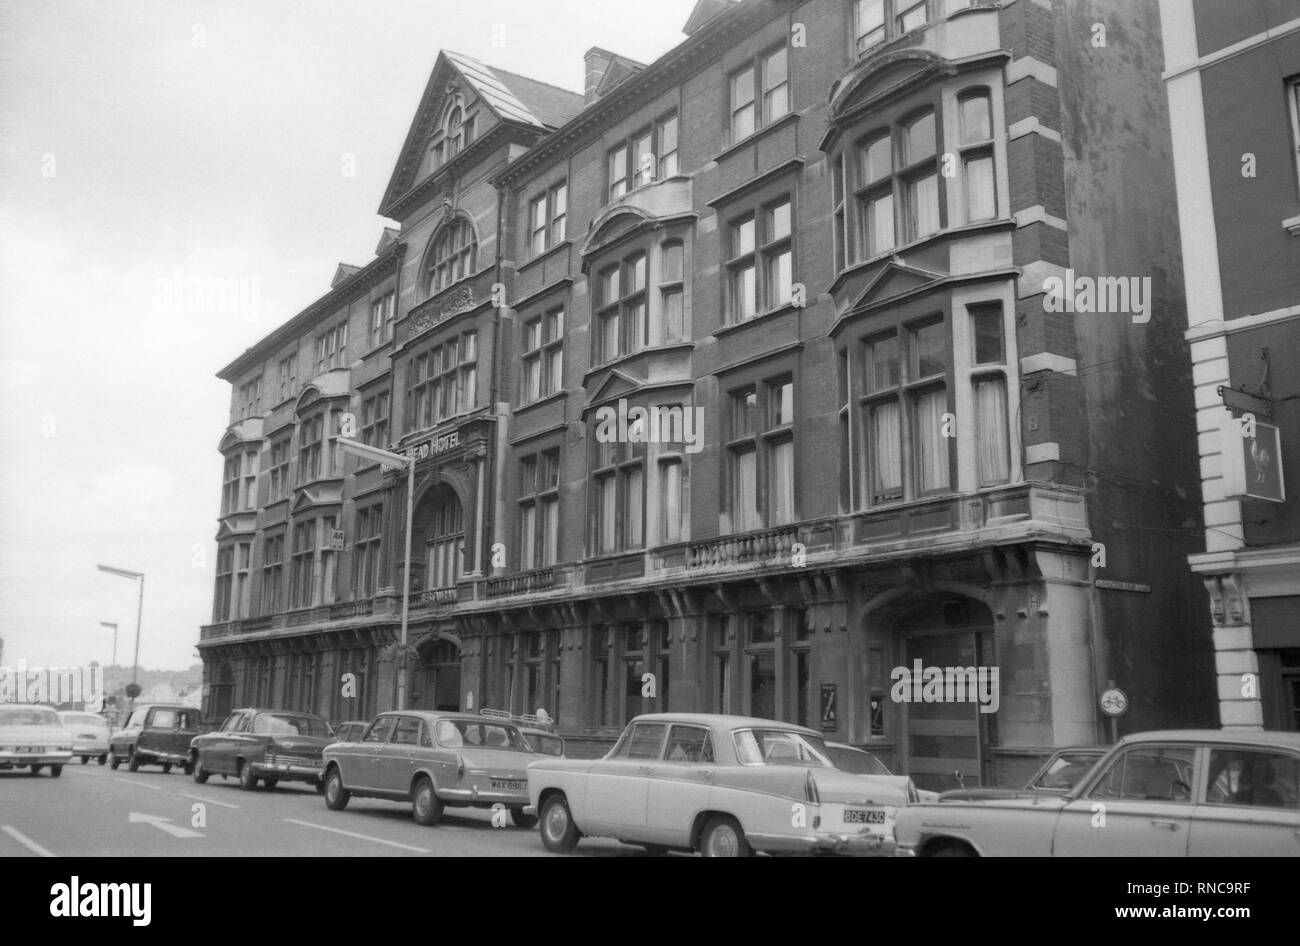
{"x": 1114, "y": 702}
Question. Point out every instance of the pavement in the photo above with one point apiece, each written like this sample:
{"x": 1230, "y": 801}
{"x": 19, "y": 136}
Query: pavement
{"x": 93, "y": 811}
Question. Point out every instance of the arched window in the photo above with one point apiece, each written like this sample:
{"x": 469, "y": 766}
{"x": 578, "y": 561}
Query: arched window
{"x": 453, "y": 256}
{"x": 446, "y": 539}
{"x": 451, "y": 130}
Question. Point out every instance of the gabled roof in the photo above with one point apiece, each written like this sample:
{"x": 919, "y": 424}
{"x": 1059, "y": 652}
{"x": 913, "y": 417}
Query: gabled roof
{"x": 620, "y": 68}
{"x": 704, "y": 11}
{"x": 387, "y": 239}
{"x": 512, "y": 98}
{"x": 343, "y": 273}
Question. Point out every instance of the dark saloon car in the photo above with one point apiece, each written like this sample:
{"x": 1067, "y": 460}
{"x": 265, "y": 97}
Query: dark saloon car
{"x": 435, "y": 761}
{"x": 255, "y": 745}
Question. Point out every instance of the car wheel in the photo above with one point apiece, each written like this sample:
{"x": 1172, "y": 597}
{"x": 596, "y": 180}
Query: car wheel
{"x": 951, "y": 850}
{"x": 85, "y": 759}
{"x": 132, "y": 760}
{"x": 36, "y": 770}
{"x": 56, "y": 771}
{"x": 723, "y": 837}
{"x": 426, "y": 806}
{"x": 188, "y": 768}
{"x": 520, "y": 819}
{"x": 103, "y": 759}
{"x": 336, "y": 796}
{"x": 198, "y": 771}
{"x": 247, "y": 780}
{"x": 114, "y": 761}
{"x": 167, "y": 768}
{"x": 559, "y": 833}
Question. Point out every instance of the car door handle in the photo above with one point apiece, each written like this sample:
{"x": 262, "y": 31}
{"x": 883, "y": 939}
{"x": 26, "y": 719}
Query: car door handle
{"x": 1165, "y": 823}
{"x": 706, "y": 774}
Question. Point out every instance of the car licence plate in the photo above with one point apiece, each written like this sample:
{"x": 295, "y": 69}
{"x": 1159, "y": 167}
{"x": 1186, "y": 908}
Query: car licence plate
{"x": 864, "y": 816}
{"x": 509, "y": 785}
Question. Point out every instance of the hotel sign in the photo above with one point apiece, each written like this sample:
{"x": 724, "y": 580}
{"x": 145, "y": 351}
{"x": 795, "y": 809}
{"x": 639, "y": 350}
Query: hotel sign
{"x": 435, "y": 446}
{"x": 1252, "y": 460}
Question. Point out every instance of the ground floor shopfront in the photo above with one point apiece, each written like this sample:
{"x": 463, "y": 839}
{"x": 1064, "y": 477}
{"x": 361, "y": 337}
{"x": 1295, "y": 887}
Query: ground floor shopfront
{"x": 825, "y": 647}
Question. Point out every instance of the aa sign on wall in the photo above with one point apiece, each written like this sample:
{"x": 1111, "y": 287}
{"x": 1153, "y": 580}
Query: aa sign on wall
{"x": 1252, "y": 465}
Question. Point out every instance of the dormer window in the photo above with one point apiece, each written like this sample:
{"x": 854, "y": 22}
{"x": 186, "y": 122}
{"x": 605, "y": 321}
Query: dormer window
{"x": 454, "y": 254}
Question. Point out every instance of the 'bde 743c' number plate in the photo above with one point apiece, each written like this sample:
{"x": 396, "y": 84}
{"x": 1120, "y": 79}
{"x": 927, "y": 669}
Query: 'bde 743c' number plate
{"x": 864, "y": 816}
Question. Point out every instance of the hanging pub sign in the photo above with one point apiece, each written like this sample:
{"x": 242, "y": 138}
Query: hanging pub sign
{"x": 1252, "y": 460}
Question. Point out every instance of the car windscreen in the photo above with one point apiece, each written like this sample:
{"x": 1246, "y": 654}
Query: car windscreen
{"x": 28, "y": 716}
{"x": 780, "y": 747}
{"x": 856, "y": 762}
{"x": 289, "y": 724}
{"x": 472, "y": 734}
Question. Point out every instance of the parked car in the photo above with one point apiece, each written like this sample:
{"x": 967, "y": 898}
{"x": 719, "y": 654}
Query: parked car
{"x": 262, "y": 745}
{"x": 435, "y": 760}
{"x": 723, "y": 785}
{"x": 349, "y": 731}
{"x": 156, "y": 734}
{"x": 33, "y": 736}
{"x": 1172, "y": 794}
{"x": 89, "y": 735}
{"x": 861, "y": 762}
{"x": 1060, "y": 773}
{"x": 543, "y": 741}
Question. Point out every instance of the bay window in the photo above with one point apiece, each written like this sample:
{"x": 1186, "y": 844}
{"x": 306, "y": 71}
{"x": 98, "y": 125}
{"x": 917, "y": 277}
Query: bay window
{"x": 621, "y": 316}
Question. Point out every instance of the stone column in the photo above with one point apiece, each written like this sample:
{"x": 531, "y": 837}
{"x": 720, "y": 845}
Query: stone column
{"x": 1236, "y": 663}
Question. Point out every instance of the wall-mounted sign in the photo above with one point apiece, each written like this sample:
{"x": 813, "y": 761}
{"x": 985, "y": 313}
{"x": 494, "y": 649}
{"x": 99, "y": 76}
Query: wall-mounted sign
{"x": 1122, "y": 585}
{"x": 338, "y": 540}
{"x": 830, "y": 706}
{"x": 439, "y": 444}
{"x": 1252, "y": 466}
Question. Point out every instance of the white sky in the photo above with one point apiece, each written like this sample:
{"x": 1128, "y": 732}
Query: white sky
{"x": 141, "y": 140}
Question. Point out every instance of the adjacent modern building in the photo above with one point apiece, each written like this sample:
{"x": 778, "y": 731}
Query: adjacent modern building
{"x": 1238, "y": 176}
{"x": 842, "y": 340}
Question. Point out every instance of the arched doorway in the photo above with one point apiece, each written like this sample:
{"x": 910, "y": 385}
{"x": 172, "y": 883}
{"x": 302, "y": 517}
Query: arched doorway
{"x": 440, "y": 527}
{"x": 435, "y": 680}
{"x": 943, "y": 687}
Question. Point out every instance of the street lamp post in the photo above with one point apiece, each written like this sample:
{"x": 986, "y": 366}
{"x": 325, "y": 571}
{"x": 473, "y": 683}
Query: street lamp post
{"x": 395, "y": 461}
{"x": 114, "y": 627}
{"x": 139, "y": 610}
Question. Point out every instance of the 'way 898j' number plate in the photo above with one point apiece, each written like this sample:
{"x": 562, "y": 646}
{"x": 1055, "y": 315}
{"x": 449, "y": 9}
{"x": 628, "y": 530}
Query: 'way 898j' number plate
{"x": 864, "y": 816}
{"x": 510, "y": 785}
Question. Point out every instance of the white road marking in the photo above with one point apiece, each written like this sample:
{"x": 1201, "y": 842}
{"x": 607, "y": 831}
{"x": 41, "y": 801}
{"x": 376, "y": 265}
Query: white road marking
{"x": 209, "y": 801}
{"x": 164, "y": 824}
{"x": 363, "y": 837}
{"x": 131, "y": 781}
{"x": 26, "y": 841}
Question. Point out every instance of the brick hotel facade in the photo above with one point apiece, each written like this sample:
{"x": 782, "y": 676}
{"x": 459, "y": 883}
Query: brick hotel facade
{"x": 827, "y": 226}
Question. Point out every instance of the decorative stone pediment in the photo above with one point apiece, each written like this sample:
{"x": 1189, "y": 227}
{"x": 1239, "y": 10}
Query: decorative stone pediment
{"x": 647, "y": 206}
{"x": 877, "y": 80}
{"x": 895, "y": 279}
{"x": 615, "y": 384}
{"x": 248, "y": 430}
{"x": 325, "y": 387}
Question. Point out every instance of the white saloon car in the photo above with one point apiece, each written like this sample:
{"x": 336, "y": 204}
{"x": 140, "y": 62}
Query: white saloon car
{"x": 33, "y": 737}
{"x": 723, "y": 785}
{"x": 1179, "y": 793}
{"x": 89, "y": 735}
